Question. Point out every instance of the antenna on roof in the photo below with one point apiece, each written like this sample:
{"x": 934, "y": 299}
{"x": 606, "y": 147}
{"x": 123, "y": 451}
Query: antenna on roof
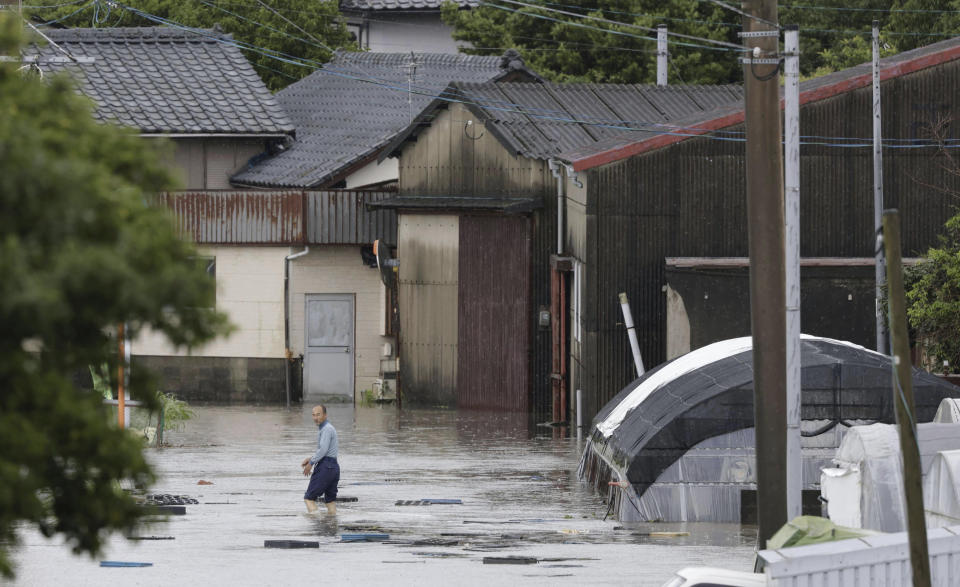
{"x": 411, "y": 72}
{"x": 49, "y": 40}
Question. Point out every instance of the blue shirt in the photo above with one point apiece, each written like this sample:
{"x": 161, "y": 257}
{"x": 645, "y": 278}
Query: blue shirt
{"x": 327, "y": 445}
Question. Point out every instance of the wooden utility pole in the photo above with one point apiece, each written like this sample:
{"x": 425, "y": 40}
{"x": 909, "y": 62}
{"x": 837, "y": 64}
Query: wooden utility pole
{"x": 903, "y": 400}
{"x": 765, "y": 218}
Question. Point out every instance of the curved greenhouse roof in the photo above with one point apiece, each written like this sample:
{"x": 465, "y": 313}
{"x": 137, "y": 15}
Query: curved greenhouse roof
{"x": 653, "y": 421}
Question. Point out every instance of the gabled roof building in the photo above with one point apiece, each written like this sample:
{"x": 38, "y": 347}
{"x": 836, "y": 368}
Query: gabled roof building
{"x": 347, "y": 111}
{"x": 478, "y": 231}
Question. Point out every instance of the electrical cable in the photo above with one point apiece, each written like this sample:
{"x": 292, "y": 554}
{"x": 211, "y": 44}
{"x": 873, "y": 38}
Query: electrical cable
{"x": 729, "y": 46}
{"x": 74, "y": 13}
{"x": 765, "y": 77}
{"x": 650, "y": 127}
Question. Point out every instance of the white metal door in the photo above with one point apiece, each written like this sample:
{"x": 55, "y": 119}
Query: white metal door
{"x": 329, "y": 345}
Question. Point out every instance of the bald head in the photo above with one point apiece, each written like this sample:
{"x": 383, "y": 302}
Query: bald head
{"x": 319, "y": 414}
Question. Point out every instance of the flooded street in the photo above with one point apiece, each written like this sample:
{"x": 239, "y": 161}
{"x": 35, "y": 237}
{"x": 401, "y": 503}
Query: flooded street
{"x": 520, "y": 498}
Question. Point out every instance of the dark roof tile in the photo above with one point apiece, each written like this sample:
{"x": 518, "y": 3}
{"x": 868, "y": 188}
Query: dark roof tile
{"x": 348, "y": 110}
{"x": 155, "y": 78}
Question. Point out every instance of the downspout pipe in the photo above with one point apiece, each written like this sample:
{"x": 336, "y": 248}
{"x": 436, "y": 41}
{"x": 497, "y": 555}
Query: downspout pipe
{"x": 286, "y": 314}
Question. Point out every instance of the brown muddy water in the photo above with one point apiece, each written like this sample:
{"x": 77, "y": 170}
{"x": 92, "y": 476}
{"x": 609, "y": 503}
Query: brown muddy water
{"x": 519, "y": 491}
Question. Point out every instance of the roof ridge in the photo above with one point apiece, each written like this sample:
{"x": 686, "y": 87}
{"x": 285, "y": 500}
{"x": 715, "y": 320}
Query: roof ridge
{"x": 143, "y": 34}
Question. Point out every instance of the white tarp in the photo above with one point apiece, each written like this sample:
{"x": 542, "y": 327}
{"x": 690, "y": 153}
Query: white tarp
{"x": 948, "y": 412}
{"x": 873, "y": 453}
{"x": 940, "y": 490}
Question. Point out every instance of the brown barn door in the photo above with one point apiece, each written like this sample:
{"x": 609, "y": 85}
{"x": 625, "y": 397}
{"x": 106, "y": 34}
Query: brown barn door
{"x": 494, "y": 313}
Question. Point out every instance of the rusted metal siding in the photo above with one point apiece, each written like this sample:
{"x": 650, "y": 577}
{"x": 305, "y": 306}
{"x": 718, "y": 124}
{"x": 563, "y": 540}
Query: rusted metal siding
{"x": 494, "y": 313}
{"x": 341, "y": 217}
{"x": 428, "y": 290}
{"x": 238, "y": 217}
{"x": 689, "y": 199}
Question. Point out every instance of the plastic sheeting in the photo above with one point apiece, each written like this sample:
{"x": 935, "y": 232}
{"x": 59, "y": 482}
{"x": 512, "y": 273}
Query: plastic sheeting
{"x": 706, "y": 483}
{"x": 872, "y": 455}
{"x": 948, "y": 412}
{"x": 644, "y": 438}
{"x": 941, "y": 490}
{"x": 804, "y": 530}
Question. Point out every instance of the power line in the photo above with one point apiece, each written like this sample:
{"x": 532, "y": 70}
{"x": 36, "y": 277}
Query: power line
{"x": 729, "y": 46}
{"x": 460, "y": 97}
{"x": 882, "y": 10}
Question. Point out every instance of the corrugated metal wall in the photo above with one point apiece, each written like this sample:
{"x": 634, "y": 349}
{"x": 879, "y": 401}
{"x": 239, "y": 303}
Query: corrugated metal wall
{"x": 689, "y": 200}
{"x": 494, "y": 308}
{"x": 341, "y": 217}
{"x": 282, "y": 217}
{"x": 238, "y": 217}
{"x": 878, "y": 561}
{"x": 428, "y": 287}
{"x": 449, "y": 160}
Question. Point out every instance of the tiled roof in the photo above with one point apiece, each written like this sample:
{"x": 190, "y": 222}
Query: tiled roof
{"x": 352, "y": 107}
{"x": 401, "y": 4}
{"x": 812, "y": 90}
{"x": 545, "y": 120}
{"x": 162, "y": 80}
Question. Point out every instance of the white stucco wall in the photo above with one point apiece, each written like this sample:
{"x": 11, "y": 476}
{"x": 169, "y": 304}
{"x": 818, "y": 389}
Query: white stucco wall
{"x": 374, "y": 173}
{"x": 395, "y": 33}
{"x": 250, "y": 291}
{"x": 338, "y": 270}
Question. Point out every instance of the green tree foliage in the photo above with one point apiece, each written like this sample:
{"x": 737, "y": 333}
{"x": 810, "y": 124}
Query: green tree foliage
{"x": 934, "y": 298}
{"x": 921, "y": 22}
{"x": 833, "y": 36}
{"x": 614, "y": 54}
{"x": 266, "y": 25}
{"x": 80, "y": 252}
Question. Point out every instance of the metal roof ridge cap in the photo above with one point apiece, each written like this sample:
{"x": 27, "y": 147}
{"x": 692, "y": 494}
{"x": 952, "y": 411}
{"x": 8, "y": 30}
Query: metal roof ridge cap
{"x": 663, "y": 140}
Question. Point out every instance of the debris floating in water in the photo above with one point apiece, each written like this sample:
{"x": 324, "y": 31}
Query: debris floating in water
{"x": 509, "y": 560}
{"x": 202, "y": 482}
{"x": 412, "y": 502}
{"x": 443, "y": 501}
{"x": 170, "y": 510}
{"x": 290, "y": 544}
{"x": 124, "y": 564}
{"x": 167, "y": 499}
{"x": 150, "y": 537}
{"x": 366, "y": 537}
{"x": 661, "y": 534}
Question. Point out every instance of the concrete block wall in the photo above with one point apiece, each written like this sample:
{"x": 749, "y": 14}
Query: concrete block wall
{"x": 222, "y": 380}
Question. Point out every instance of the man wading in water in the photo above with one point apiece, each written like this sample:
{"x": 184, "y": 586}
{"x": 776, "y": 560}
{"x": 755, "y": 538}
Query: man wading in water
{"x": 326, "y": 471}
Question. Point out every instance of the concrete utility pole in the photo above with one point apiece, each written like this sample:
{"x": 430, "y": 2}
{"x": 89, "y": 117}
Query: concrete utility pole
{"x": 662, "y": 55}
{"x": 878, "y": 189}
{"x": 791, "y": 165}
{"x": 903, "y": 400}
{"x": 765, "y": 219}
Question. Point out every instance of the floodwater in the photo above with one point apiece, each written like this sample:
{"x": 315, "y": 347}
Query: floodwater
{"x": 519, "y": 491}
